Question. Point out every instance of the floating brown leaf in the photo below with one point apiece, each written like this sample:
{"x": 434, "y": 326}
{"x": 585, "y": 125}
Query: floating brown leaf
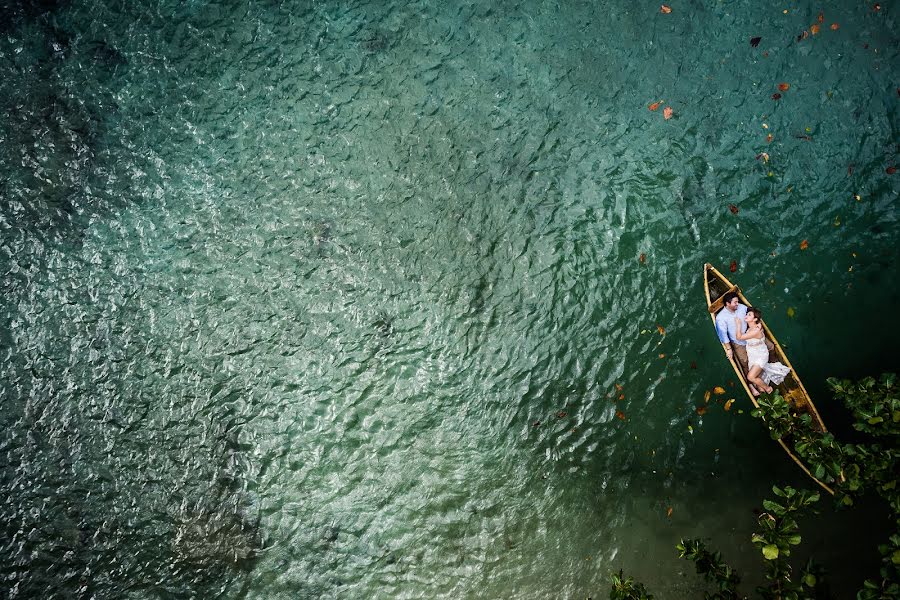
{"x": 718, "y": 390}
{"x": 814, "y": 29}
{"x": 734, "y": 209}
{"x": 642, "y": 258}
{"x": 890, "y": 170}
{"x": 655, "y": 105}
{"x": 669, "y": 512}
{"x": 821, "y": 18}
{"x": 769, "y": 138}
{"x": 803, "y": 36}
{"x": 733, "y": 266}
{"x": 667, "y": 113}
{"x": 755, "y": 41}
{"x": 835, "y": 26}
{"x": 665, "y": 9}
{"x": 784, "y": 86}
{"x": 706, "y": 396}
{"x": 661, "y": 330}
{"x": 804, "y": 244}
{"x": 701, "y": 410}
{"x": 561, "y": 414}
{"x": 776, "y": 96}
{"x": 729, "y": 403}
{"x": 620, "y": 415}
{"x": 662, "y": 355}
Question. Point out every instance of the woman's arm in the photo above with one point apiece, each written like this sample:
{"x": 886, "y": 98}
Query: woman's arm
{"x": 737, "y": 333}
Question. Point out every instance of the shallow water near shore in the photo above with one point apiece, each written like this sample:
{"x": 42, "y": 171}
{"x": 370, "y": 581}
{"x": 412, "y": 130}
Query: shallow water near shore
{"x": 403, "y": 300}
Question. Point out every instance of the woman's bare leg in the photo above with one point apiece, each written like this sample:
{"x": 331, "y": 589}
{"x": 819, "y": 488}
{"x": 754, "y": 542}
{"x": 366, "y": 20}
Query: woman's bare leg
{"x": 754, "y": 377}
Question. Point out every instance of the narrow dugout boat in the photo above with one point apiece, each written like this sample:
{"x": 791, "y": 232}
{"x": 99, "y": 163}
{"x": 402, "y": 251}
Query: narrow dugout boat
{"x": 716, "y": 286}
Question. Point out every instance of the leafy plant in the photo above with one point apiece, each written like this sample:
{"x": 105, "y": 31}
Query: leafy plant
{"x": 712, "y": 567}
{"x": 776, "y": 412}
{"x": 625, "y": 588}
{"x": 875, "y": 404}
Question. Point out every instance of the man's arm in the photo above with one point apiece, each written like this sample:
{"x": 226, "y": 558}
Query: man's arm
{"x": 722, "y": 331}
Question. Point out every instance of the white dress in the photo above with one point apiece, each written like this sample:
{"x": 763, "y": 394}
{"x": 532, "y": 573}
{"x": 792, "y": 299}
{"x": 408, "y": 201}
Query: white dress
{"x": 758, "y": 355}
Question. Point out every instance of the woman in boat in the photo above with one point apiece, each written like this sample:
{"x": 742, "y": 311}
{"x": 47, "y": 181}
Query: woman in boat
{"x": 761, "y": 372}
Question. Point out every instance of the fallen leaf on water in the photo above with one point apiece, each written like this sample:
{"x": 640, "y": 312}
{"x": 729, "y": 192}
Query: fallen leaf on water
{"x": 791, "y": 312}
{"x": 706, "y": 396}
{"x": 669, "y": 512}
{"x": 776, "y": 96}
{"x": 733, "y": 266}
{"x": 803, "y": 36}
{"x": 642, "y": 258}
{"x": 621, "y": 396}
{"x": 701, "y": 410}
{"x": 890, "y": 170}
{"x": 734, "y": 209}
{"x": 755, "y": 41}
{"x": 769, "y": 138}
{"x": 814, "y": 29}
{"x": 620, "y": 415}
{"x": 804, "y": 244}
{"x": 729, "y": 403}
{"x": 835, "y": 26}
{"x": 561, "y": 414}
{"x": 821, "y": 18}
{"x": 763, "y": 155}
{"x": 536, "y": 423}
{"x": 662, "y": 355}
{"x": 667, "y": 113}
{"x": 661, "y": 330}
{"x": 655, "y": 105}
{"x": 665, "y": 9}
{"x": 618, "y": 387}
{"x": 876, "y": 7}
{"x": 784, "y": 86}
{"x": 718, "y": 390}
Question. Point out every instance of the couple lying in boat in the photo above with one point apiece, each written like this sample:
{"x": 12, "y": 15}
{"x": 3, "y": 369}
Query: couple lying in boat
{"x": 741, "y": 333}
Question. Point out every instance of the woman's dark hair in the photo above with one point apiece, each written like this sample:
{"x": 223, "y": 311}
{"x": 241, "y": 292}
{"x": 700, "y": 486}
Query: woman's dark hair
{"x": 756, "y": 313}
{"x": 729, "y": 296}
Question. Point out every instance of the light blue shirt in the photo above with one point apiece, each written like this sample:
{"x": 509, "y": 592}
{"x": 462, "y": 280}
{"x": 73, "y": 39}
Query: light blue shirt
{"x": 725, "y": 325}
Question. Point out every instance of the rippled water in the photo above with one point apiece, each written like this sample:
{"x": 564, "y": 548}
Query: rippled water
{"x": 344, "y": 299}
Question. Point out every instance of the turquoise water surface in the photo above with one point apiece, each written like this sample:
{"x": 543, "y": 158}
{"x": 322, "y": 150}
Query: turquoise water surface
{"x": 346, "y": 299}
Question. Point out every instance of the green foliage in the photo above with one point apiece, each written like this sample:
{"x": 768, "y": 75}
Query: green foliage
{"x": 875, "y": 404}
{"x": 778, "y": 533}
{"x": 889, "y": 586}
{"x": 852, "y": 469}
{"x": 712, "y": 567}
{"x": 625, "y": 588}
{"x": 776, "y": 412}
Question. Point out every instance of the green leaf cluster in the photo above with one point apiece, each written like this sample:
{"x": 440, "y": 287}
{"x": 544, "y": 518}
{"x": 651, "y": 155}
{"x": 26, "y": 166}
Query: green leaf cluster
{"x": 625, "y": 588}
{"x": 875, "y": 403}
{"x": 712, "y": 567}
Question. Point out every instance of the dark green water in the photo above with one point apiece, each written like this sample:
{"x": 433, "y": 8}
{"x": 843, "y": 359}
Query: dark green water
{"x": 331, "y": 300}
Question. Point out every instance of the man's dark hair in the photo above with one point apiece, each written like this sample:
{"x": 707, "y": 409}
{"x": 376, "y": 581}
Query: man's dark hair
{"x": 729, "y": 297}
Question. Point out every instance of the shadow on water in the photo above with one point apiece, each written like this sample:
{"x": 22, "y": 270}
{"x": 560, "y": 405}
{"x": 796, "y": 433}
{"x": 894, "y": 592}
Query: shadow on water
{"x": 58, "y": 120}
{"x": 83, "y": 516}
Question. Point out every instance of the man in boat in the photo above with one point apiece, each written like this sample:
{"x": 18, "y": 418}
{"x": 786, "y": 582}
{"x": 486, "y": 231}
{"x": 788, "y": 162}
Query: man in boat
{"x": 726, "y": 327}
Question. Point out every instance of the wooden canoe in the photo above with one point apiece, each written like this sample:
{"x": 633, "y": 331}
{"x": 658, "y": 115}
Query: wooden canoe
{"x": 716, "y": 286}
